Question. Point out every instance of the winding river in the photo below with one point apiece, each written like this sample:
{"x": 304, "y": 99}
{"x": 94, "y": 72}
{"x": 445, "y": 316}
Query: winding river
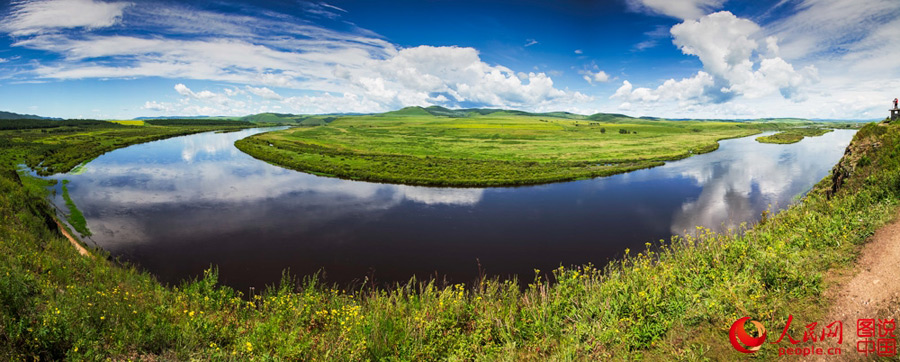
{"x": 178, "y": 206}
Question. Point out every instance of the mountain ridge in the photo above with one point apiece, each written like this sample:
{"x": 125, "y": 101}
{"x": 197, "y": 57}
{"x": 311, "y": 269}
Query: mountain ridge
{"x": 13, "y": 115}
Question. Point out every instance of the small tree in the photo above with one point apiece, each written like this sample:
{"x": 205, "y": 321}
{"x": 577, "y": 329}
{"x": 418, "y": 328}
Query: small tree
{"x": 602, "y": 130}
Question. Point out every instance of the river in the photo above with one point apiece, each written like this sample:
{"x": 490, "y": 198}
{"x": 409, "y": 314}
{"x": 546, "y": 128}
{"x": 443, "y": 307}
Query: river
{"x": 178, "y": 206}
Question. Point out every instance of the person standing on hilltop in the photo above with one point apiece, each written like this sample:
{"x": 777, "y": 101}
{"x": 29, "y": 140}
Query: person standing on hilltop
{"x": 895, "y": 103}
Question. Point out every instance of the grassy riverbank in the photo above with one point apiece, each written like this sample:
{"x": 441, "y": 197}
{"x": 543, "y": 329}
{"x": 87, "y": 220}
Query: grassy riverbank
{"x": 793, "y": 136}
{"x": 413, "y": 146}
{"x": 75, "y": 217}
{"x": 51, "y": 147}
{"x": 675, "y": 302}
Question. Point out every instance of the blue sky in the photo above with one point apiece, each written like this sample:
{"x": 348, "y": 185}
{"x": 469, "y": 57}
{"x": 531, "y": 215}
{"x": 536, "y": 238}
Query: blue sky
{"x": 836, "y": 59}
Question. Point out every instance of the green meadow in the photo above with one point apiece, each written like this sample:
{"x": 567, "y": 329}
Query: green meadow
{"x": 425, "y": 147}
{"x": 793, "y": 135}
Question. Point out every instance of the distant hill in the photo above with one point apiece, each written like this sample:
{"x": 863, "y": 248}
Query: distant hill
{"x": 271, "y": 118}
{"x": 460, "y": 113}
{"x": 20, "y": 123}
{"x": 291, "y": 119}
{"x": 406, "y": 112}
{"x": 11, "y": 115}
{"x": 432, "y": 111}
{"x": 183, "y": 117}
{"x": 439, "y": 111}
{"x": 442, "y": 112}
{"x": 607, "y": 117}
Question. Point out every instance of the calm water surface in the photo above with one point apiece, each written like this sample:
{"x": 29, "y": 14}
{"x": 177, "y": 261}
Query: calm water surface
{"x": 175, "y": 207}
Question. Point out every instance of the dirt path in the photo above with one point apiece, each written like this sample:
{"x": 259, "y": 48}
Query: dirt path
{"x": 75, "y": 243}
{"x": 870, "y": 289}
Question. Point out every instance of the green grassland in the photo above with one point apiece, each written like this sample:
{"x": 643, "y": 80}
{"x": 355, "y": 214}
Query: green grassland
{"x": 793, "y": 135}
{"x": 675, "y": 302}
{"x": 414, "y": 146}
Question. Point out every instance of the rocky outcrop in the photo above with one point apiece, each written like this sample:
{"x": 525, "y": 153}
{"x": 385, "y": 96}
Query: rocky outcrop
{"x": 859, "y": 153}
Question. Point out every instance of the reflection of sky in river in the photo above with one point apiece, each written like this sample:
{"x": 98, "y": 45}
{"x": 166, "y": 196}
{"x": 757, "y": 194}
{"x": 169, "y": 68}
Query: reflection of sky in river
{"x": 748, "y": 176}
{"x": 176, "y": 206}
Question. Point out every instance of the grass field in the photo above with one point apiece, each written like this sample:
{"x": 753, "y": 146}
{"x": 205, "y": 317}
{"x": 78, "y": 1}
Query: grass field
{"x": 793, "y": 135}
{"x": 675, "y": 302}
{"x": 130, "y": 122}
{"x": 500, "y": 148}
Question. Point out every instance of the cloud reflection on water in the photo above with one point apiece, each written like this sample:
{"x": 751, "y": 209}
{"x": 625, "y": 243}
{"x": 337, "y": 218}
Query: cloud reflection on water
{"x": 210, "y": 182}
{"x": 772, "y": 170}
{"x": 205, "y": 181}
{"x": 208, "y": 144}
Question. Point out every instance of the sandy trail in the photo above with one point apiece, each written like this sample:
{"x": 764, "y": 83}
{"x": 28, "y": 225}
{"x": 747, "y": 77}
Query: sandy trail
{"x": 75, "y": 243}
{"x": 870, "y": 290}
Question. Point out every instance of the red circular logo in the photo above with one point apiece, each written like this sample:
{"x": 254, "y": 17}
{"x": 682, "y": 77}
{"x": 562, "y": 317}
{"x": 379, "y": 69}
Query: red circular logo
{"x": 742, "y": 341}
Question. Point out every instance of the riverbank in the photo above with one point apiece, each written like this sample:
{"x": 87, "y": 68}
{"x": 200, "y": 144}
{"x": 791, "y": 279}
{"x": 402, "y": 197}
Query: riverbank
{"x": 674, "y": 302}
{"x": 487, "y": 150}
{"x": 50, "y": 147}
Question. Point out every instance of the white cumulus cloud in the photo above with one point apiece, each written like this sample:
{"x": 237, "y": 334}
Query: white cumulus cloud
{"x": 424, "y": 75}
{"x": 591, "y": 77}
{"x": 722, "y": 41}
{"x": 734, "y": 64}
{"x": 691, "y": 90}
{"x": 726, "y": 44}
{"x": 187, "y": 92}
{"x": 158, "y": 107}
{"x": 329, "y": 103}
{"x": 264, "y": 92}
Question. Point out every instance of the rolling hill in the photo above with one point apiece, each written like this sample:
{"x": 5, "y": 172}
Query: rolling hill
{"x": 11, "y": 115}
